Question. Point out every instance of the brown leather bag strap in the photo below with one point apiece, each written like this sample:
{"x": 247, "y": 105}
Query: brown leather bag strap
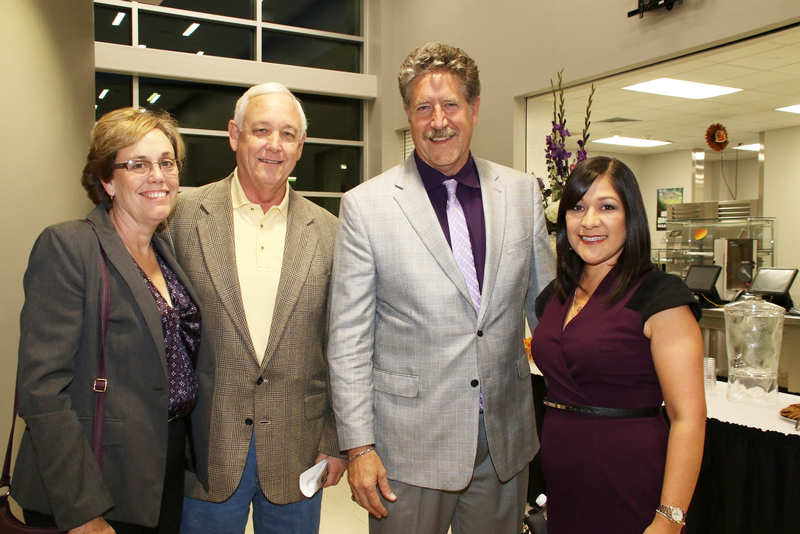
{"x": 99, "y": 386}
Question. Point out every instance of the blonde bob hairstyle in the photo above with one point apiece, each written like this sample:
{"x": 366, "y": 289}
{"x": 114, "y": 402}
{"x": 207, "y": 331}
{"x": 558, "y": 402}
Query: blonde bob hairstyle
{"x": 116, "y": 130}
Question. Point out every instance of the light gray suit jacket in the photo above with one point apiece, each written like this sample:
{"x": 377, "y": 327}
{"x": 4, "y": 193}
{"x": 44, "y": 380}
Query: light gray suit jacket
{"x": 56, "y": 472}
{"x": 285, "y": 401}
{"x": 407, "y": 349}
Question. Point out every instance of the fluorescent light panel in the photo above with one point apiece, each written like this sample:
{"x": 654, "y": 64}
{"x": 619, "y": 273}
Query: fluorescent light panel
{"x": 790, "y": 109}
{"x": 681, "y": 89}
{"x": 153, "y": 98}
{"x": 630, "y": 141}
{"x": 190, "y": 30}
{"x": 118, "y": 19}
{"x": 102, "y": 94}
{"x": 755, "y": 147}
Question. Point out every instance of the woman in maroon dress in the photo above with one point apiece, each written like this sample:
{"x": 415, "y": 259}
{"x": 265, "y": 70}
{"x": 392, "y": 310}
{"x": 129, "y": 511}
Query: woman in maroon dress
{"x": 616, "y": 338}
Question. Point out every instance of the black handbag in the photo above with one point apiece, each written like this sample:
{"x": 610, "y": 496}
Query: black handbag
{"x": 535, "y": 522}
{"x": 10, "y": 524}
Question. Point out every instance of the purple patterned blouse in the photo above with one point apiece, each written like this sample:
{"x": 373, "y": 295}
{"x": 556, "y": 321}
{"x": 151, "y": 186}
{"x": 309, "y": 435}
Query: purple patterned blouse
{"x": 181, "y": 323}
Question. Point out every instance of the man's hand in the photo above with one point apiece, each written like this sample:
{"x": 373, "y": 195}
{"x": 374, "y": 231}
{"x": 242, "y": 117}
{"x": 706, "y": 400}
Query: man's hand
{"x": 336, "y": 467}
{"x": 365, "y": 474}
{"x": 97, "y": 525}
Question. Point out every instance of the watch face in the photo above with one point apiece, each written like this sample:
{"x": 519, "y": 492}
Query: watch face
{"x": 677, "y": 514}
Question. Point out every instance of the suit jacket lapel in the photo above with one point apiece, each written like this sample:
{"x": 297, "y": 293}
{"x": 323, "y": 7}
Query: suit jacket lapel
{"x": 120, "y": 258}
{"x": 215, "y": 233}
{"x": 414, "y": 201}
{"x": 494, "y": 209}
{"x": 301, "y": 245}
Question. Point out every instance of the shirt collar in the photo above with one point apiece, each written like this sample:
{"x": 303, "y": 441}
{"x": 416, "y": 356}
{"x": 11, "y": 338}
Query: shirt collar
{"x": 239, "y": 198}
{"x": 431, "y": 178}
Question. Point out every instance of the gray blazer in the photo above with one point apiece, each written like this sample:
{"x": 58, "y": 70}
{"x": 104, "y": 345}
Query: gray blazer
{"x": 56, "y": 472}
{"x": 407, "y": 349}
{"x": 285, "y": 401}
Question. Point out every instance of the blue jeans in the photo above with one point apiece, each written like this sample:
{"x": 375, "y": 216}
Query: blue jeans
{"x": 230, "y": 516}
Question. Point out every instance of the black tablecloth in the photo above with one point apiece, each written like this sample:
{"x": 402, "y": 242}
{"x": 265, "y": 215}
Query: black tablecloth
{"x": 749, "y": 482}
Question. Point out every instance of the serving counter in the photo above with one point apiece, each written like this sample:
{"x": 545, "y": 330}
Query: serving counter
{"x": 750, "y": 478}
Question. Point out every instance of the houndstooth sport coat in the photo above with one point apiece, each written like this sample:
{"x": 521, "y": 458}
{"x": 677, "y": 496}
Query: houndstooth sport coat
{"x": 285, "y": 401}
{"x": 407, "y": 349}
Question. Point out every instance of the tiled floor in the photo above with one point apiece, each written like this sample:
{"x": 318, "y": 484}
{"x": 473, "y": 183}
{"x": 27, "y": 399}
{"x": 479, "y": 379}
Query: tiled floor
{"x": 340, "y": 515}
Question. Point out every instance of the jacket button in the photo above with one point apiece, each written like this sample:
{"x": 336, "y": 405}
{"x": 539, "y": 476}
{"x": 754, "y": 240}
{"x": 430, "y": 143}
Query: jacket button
{"x": 248, "y": 421}
{"x": 259, "y": 381}
{"x": 480, "y": 333}
{"x": 474, "y": 383}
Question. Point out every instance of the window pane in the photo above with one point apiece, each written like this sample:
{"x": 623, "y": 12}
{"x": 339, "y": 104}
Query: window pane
{"x": 341, "y": 16}
{"x": 104, "y": 29}
{"x": 119, "y": 95}
{"x": 194, "y": 105}
{"x": 329, "y": 168}
{"x": 243, "y": 9}
{"x": 208, "y": 159}
{"x": 211, "y": 38}
{"x": 304, "y": 51}
{"x": 332, "y": 117}
{"x": 330, "y": 204}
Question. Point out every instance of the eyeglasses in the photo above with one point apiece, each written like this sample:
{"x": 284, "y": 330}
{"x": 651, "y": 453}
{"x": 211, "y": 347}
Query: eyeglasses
{"x": 144, "y": 167}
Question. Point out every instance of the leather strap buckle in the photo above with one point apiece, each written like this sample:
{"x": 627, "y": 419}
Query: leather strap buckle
{"x": 100, "y": 385}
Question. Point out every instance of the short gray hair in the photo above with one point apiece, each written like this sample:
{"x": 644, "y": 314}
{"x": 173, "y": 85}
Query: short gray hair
{"x": 270, "y": 88}
{"x": 438, "y": 57}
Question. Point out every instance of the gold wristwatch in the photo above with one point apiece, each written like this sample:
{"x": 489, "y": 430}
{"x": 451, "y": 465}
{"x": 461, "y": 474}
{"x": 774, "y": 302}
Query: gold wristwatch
{"x": 673, "y": 513}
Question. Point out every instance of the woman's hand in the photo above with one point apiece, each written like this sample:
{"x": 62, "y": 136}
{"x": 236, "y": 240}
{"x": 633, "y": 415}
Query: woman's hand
{"x": 97, "y": 525}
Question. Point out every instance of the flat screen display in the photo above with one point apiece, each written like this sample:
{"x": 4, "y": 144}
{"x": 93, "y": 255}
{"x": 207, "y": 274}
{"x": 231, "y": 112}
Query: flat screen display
{"x": 772, "y": 281}
{"x": 701, "y": 278}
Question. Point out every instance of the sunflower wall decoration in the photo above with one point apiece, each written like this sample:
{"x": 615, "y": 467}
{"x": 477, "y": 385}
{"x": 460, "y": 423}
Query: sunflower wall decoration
{"x": 717, "y": 137}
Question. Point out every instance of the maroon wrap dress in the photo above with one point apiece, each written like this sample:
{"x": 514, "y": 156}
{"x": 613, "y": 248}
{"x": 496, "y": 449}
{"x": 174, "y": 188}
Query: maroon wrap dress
{"x": 603, "y": 474}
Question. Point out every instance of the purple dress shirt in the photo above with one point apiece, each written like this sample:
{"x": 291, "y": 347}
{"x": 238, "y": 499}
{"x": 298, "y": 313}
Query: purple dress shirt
{"x": 469, "y": 195}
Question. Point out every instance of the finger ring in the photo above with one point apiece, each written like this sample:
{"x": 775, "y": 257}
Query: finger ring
{"x": 355, "y": 499}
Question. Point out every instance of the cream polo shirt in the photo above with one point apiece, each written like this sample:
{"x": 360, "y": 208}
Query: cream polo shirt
{"x": 259, "y": 243}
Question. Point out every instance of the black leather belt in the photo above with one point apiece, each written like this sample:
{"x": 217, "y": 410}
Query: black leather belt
{"x": 605, "y": 412}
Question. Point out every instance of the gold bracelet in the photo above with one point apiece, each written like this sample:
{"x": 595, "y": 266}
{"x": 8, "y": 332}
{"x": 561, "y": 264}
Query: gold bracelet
{"x": 362, "y": 453}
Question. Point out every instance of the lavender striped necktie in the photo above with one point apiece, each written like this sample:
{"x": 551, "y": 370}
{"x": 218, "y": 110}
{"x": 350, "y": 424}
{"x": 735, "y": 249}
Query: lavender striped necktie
{"x": 459, "y": 240}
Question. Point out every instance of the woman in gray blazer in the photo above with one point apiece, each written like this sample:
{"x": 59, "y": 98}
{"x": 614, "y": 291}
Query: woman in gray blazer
{"x": 131, "y": 175}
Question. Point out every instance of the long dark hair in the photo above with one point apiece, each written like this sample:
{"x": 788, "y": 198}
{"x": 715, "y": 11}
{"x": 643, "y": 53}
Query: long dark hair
{"x": 635, "y": 257}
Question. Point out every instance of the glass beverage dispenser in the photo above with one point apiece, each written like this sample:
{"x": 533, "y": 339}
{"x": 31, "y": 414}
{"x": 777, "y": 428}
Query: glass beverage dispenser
{"x": 753, "y": 332}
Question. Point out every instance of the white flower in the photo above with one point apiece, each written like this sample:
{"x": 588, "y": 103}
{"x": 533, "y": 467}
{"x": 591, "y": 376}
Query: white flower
{"x": 551, "y": 211}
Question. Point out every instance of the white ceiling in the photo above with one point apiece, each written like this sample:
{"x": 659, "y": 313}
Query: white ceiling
{"x": 766, "y": 68}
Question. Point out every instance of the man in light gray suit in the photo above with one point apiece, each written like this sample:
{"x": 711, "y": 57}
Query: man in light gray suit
{"x": 259, "y": 256}
{"x": 435, "y": 261}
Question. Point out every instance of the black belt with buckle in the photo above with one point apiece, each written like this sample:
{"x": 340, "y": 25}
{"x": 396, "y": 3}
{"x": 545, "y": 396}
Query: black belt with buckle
{"x": 605, "y": 412}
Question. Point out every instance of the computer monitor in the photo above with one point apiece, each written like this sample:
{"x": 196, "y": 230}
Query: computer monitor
{"x": 773, "y": 284}
{"x": 702, "y": 280}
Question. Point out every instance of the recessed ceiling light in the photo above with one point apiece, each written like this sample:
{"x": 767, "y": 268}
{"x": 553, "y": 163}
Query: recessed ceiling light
{"x": 790, "y": 109}
{"x": 142, "y": 46}
{"x": 118, "y": 19}
{"x": 630, "y": 141}
{"x": 102, "y": 94}
{"x": 343, "y": 166}
{"x": 681, "y": 89}
{"x": 200, "y": 53}
{"x": 190, "y": 30}
{"x": 755, "y": 147}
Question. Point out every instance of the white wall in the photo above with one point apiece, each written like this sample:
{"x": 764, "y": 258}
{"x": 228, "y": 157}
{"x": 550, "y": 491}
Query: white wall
{"x": 47, "y": 96}
{"x": 782, "y": 195}
{"x": 743, "y": 183}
